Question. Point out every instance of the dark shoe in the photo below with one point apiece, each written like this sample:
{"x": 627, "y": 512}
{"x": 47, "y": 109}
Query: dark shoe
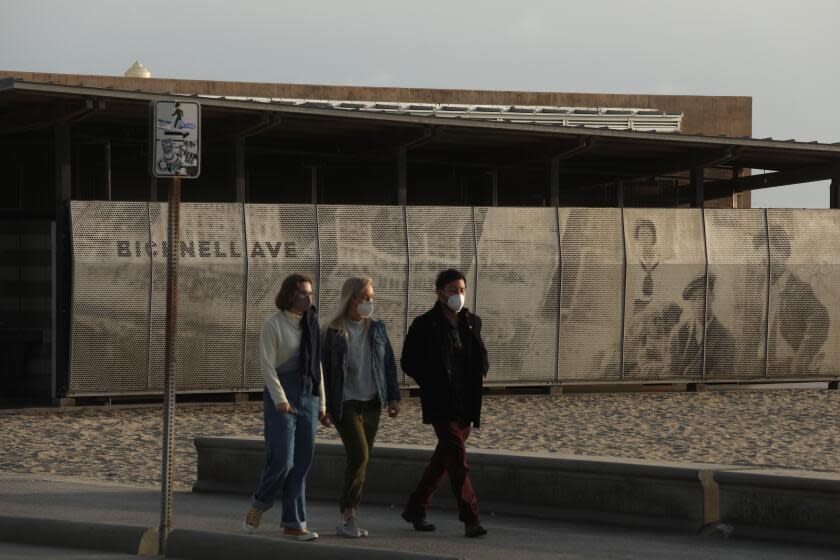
{"x": 473, "y": 530}
{"x": 419, "y": 522}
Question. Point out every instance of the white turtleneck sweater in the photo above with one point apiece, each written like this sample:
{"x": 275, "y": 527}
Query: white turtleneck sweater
{"x": 279, "y": 340}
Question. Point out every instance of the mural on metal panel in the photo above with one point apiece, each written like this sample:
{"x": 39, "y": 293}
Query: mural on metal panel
{"x": 736, "y": 310}
{"x": 438, "y": 238}
{"x": 210, "y": 295}
{"x": 665, "y": 293}
{"x": 591, "y": 288}
{"x": 365, "y": 241}
{"x": 804, "y": 292}
{"x": 110, "y": 297}
{"x": 515, "y": 276}
{"x": 518, "y": 258}
{"x": 282, "y": 239}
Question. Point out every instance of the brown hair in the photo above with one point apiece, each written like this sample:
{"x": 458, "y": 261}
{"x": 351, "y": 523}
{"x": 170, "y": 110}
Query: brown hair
{"x": 286, "y": 296}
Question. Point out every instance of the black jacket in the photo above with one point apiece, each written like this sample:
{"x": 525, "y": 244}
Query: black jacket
{"x": 423, "y": 360}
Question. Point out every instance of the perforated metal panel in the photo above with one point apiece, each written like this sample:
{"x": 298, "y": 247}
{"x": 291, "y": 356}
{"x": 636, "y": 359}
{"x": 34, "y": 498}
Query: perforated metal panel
{"x": 211, "y": 277}
{"x": 365, "y": 241}
{"x": 591, "y": 293}
{"x": 737, "y": 294}
{"x": 286, "y": 235}
{"x": 518, "y": 258}
{"x": 665, "y": 293}
{"x": 804, "y": 326}
{"x": 438, "y": 238}
{"x": 110, "y": 297}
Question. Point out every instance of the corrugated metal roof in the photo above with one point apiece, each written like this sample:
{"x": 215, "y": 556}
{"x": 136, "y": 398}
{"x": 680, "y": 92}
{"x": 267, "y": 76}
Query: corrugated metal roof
{"x": 398, "y": 113}
{"x": 612, "y": 118}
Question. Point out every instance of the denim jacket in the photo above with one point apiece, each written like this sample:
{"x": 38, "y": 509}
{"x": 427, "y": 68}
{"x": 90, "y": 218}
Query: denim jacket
{"x": 334, "y": 358}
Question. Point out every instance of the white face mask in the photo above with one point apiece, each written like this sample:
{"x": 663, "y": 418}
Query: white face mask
{"x": 365, "y": 309}
{"x": 455, "y": 302}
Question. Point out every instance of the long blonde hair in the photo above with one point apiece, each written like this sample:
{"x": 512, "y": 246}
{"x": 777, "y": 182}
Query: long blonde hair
{"x": 352, "y": 287}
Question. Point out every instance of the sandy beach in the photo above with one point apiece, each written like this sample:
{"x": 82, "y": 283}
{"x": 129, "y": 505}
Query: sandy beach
{"x": 781, "y": 428}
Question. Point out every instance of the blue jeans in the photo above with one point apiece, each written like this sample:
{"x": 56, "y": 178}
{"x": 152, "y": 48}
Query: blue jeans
{"x": 289, "y": 447}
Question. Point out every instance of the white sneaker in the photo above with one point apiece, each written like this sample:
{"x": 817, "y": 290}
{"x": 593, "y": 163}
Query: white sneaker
{"x": 349, "y": 528}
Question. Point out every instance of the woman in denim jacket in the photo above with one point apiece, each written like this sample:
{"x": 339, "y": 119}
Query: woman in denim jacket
{"x": 360, "y": 378}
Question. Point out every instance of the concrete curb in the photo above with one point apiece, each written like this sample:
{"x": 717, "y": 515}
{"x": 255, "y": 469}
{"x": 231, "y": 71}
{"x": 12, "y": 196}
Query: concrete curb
{"x": 598, "y": 489}
{"x": 187, "y": 544}
{"x": 785, "y": 505}
{"x": 127, "y": 539}
{"x": 776, "y": 504}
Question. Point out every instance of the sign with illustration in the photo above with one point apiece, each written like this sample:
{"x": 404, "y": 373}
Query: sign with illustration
{"x": 176, "y": 139}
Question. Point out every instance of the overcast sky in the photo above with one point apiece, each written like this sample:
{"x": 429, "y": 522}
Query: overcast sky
{"x": 784, "y": 54}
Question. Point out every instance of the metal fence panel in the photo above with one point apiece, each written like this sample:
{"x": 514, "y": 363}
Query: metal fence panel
{"x": 286, "y": 235}
{"x": 109, "y": 331}
{"x": 665, "y": 293}
{"x": 211, "y": 283}
{"x": 438, "y": 238}
{"x": 518, "y": 263}
{"x": 591, "y": 298}
{"x": 804, "y": 319}
{"x": 365, "y": 241}
{"x": 737, "y": 294}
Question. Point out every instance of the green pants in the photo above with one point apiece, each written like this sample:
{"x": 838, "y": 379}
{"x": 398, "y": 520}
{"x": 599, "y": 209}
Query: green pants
{"x": 357, "y": 428}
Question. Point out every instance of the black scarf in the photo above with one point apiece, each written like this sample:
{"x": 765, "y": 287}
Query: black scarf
{"x": 310, "y": 348}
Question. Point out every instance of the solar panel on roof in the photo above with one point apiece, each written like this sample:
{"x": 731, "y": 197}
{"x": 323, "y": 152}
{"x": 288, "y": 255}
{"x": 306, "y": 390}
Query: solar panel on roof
{"x": 316, "y": 104}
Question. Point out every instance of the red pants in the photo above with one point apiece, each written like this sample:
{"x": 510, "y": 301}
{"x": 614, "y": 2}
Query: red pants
{"x": 450, "y": 456}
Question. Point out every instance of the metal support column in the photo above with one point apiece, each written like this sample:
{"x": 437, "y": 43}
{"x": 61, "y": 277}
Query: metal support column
{"x": 494, "y": 187}
{"x": 554, "y": 182}
{"x": 697, "y": 187}
{"x": 108, "y": 190}
{"x": 62, "y": 251}
{"x": 239, "y": 168}
{"x": 402, "y": 175}
{"x": 834, "y": 193}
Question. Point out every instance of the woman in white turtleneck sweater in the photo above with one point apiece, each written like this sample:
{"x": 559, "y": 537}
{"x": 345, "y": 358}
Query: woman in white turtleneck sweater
{"x": 293, "y": 403}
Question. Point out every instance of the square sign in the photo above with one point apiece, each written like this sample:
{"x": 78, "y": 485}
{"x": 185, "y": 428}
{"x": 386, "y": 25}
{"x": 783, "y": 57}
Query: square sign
{"x": 176, "y": 139}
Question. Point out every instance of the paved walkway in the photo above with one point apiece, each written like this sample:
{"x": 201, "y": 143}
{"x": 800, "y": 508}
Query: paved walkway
{"x": 510, "y": 537}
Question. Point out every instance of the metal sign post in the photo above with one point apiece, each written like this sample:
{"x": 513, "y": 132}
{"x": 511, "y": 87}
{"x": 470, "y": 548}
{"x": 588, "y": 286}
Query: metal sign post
{"x": 176, "y": 151}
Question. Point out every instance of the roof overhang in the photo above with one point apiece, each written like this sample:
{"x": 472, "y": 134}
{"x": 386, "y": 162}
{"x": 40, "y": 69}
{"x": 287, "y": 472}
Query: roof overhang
{"x": 609, "y": 152}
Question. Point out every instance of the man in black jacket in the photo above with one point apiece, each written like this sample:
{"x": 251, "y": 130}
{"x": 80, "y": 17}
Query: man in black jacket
{"x": 444, "y": 354}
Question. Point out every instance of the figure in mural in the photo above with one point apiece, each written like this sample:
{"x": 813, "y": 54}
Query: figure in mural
{"x": 644, "y": 231}
{"x": 649, "y": 323}
{"x": 686, "y": 342}
{"x": 799, "y": 322}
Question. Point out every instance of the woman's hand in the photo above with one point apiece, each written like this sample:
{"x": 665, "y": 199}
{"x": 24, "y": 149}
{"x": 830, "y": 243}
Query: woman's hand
{"x": 393, "y": 408}
{"x": 324, "y": 419}
{"x": 284, "y": 408}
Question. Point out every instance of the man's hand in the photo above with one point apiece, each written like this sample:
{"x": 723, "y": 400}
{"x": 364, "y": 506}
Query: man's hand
{"x": 324, "y": 419}
{"x": 284, "y": 408}
{"x": 393, "y": 408}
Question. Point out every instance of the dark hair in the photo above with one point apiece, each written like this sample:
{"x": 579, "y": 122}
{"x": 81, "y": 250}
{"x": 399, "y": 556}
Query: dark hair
{"x": 286, "y": 296}
{"x": 447, "y": 276}
{"x": 644, "y": 224}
